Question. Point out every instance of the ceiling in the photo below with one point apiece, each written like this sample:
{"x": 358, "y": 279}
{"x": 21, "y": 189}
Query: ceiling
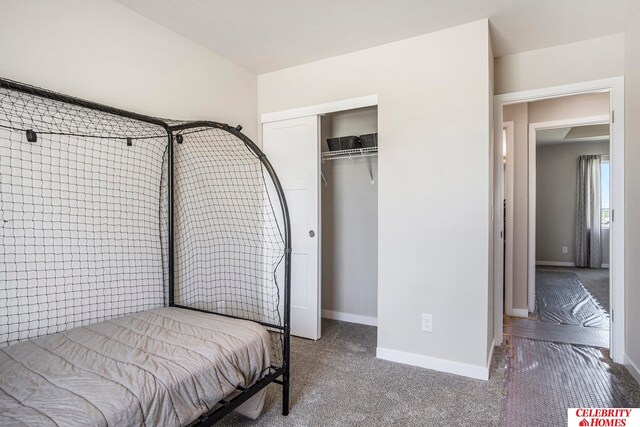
{"x": 573, "y": 134}
{"x": 266, "y": 35}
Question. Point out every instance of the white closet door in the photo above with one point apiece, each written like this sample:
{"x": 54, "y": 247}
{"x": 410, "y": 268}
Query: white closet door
{"x": 292, "y": 146}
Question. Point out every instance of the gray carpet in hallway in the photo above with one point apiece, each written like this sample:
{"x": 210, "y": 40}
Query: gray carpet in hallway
{"x": 338, "y": 381}
{"x": 597, "y": 283}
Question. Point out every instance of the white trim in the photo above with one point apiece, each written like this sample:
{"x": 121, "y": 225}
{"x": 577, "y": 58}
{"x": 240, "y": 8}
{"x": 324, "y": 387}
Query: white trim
{"x": 533, "y": 128}
{"x": 604, "y": 265}
{"x": 556, "y": 263}
{"x": 519, "y": 312}
{"x": 616, "y": 229}
{"x": 442, "y": 365}
{"x": 490, "y": 358}
{"x": 531, "y": 219}
{"x": 556, "y": 91}
{"x": 508, "y": 195}
{"x": 632, "y": 368}
{"x": 348, "y": 317}
{"x": 615, "y": 87}
{"x": 315, "y": 110}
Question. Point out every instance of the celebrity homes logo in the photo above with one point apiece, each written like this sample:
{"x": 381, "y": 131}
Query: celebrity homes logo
{"x": 603, "y": 417}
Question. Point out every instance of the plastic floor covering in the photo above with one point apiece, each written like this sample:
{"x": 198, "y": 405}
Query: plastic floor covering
{"x": 545, "y": 331}
{"x": 546, "y": 378}
{"x": 567, "y": 313}
{"x": 562, "y": 299}
{"x": 553, "y": 362}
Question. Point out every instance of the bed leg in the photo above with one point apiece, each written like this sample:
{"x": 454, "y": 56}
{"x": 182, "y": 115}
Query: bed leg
{"x": 285, "y": 393}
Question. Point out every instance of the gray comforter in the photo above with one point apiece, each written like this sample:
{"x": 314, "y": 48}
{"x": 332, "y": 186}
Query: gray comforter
{"x": 161, "y": 367}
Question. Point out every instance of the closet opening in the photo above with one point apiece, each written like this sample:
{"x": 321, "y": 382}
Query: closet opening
{"x": 349, "y": 218}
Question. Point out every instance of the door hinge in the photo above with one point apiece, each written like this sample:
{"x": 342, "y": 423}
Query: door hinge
{"x": 613, "y": 316}
{"x": 613, "y": 116}
{"x": 613, "y": 215}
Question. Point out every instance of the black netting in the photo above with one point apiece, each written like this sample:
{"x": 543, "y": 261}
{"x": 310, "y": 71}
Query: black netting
{"x": 228, "y": 241}
{"x": 80, "y": 216}
{"x": 84, "y": 221}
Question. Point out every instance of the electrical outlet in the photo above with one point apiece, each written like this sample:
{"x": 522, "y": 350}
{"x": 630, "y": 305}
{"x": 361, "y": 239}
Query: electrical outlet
{"x": 565, "y": 250}
{"x": 427, "y": 322}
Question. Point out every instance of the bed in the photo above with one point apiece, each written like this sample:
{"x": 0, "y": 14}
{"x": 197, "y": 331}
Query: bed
{"x": 144, "y": 271}
{"x": 162, "y": 367}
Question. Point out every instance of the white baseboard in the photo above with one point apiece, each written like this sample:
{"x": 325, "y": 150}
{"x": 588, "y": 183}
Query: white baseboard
{"x": 563, "y": 264}
{"x": 632, "y": 368}
{"x": 519, "y": 312}
{"x": 443, "y": 365}
{"x": 352, "y": 318}
{"x": 556, "y": 263}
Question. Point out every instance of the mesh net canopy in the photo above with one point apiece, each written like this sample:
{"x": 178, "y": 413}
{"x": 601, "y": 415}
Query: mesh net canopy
{"x": 84, "y": 225}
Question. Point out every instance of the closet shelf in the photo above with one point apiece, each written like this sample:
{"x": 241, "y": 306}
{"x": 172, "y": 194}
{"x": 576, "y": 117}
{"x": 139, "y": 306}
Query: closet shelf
{"x": 351, "y": 154}
{"x": 356, "y": 152}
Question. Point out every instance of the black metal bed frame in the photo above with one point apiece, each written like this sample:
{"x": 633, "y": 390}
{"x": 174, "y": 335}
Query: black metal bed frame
{"x": 274, "y": 373}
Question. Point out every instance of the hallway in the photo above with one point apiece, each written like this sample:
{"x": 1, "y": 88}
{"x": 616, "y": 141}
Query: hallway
{"x": 558, "y": 357}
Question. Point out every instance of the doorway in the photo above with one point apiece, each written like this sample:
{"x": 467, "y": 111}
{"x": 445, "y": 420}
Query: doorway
{"x": 612, "y": 90}
{"x": 349, "y": 215}
{"x": 332, "y": 198}
{"x": 568, "y": 228}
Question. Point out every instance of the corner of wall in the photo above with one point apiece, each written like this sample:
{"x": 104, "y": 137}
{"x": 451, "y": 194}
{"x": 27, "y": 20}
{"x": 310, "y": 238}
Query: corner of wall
{"x": 105, "y": 52}
{"x": 632, "y": 196}
{"x": 495, "y": 227}
{"x": 633, "y": 369}
{"x": 418, "y": 265}
{"x": 586, "y": 60}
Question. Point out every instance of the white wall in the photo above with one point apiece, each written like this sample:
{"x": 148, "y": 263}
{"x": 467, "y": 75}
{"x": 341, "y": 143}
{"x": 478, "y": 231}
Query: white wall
{"x": 568, "y": 107}
{"x": 556, "y": 166}
{"x": 101, "y": 51}
{"x": 632, "y": 196}
{"x": 433, "y": 191}
{"x": 350, "y": 220}
{"x": 570, "y": 63}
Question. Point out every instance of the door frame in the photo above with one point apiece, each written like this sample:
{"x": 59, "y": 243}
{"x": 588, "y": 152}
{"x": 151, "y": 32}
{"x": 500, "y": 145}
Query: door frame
{"x": 531, "y": 232}
{"x": 319, "y": 110}
{"x": 615, "y": 87}
{"x": 508, "y": 221}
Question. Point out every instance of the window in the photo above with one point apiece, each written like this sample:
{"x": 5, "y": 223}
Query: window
{"x": 604, "y": 188}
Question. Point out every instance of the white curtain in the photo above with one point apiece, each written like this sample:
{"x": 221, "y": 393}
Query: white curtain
{"x": 588, "y": 216}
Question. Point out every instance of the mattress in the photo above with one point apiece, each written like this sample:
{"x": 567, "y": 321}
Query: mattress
{"x": 162, "y": 367}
